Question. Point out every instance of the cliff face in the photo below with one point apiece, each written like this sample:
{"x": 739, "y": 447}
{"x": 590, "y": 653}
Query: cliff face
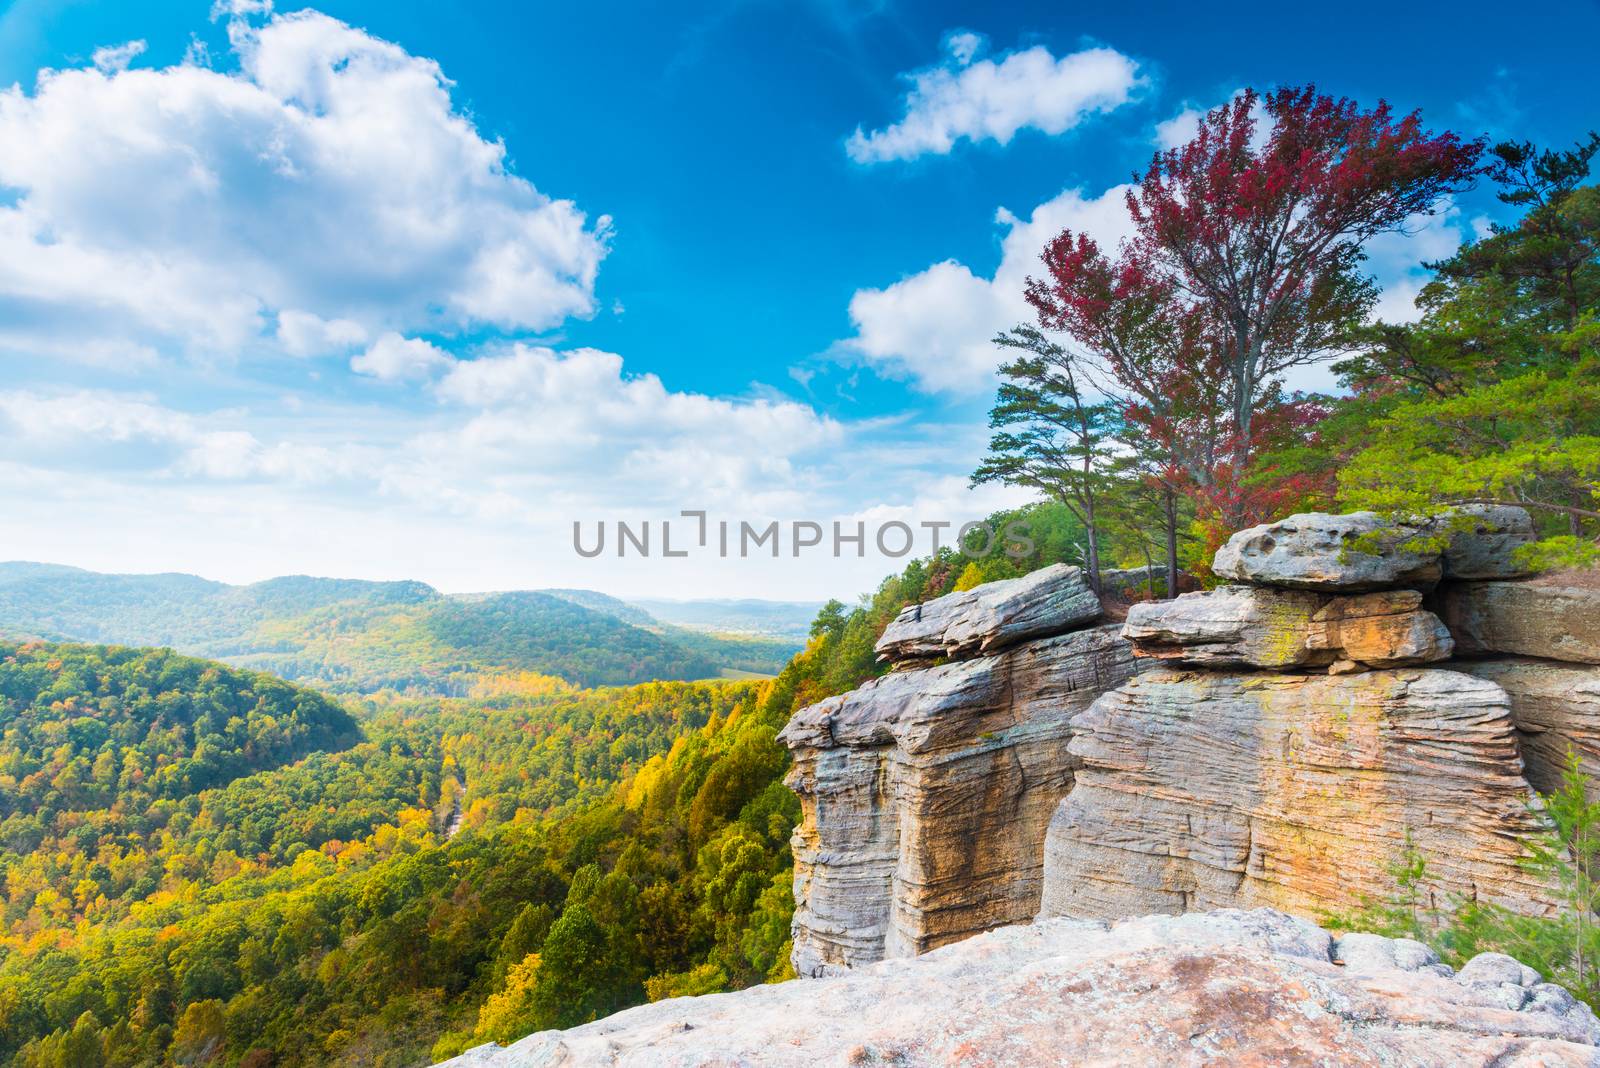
{"x": 1206, "y": 789}
{"x": 1240, "y": 988}
{"x": 1345, "y": 692}
{"x": 925, "y": 794}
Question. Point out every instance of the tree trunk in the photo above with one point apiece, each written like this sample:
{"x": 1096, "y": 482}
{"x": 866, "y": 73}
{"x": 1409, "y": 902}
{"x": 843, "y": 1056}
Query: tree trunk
{"x": 1092, "y": 532}
{"x": 1170, "y": 506}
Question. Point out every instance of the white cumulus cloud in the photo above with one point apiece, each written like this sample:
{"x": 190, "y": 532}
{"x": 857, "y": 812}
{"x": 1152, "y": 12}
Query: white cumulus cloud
{"x": 188, "y": 210}
{"x": 115, "y": 58}
{"x": 936, "y": 327}
{"x": 393, "y": 358}
{"x": 991, "y": 99}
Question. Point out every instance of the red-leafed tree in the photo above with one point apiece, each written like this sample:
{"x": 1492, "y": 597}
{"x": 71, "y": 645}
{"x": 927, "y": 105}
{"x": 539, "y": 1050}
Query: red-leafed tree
{"x": 1245, "y": 262}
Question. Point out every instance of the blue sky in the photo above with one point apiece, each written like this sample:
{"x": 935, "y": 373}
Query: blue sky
{"x": 401, "y": 290}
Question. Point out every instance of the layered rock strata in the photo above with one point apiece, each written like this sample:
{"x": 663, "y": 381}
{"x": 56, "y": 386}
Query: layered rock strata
{"x": 1230, "y": 987}
{"x": 1202, "y": 789}
{"x": 1556, "y": 710}
{"x": 1555, "y": 618}
{"x": 988, "y": 618}
{"x": 1249, "y": 626}
{"x": 1292, "y": 731}
{"x": 925, "y": 794}
{"x": 1250, "y": 781}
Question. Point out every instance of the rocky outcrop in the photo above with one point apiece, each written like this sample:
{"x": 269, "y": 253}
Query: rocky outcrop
{"x": 1556, "y": 617}
{"x": 988, "y": 618}
{"x": 1204, "y": 789}
{"x": 1316, "y": 551}
{"x": 1249, "y": 626}
{"x": 1243, "y": 988}
{"x": 1555, "y": 708}
{"x": 1248, "y": 781}
{"x": 1296, "y": 728}
{"x": 1484, "y": 539}
{"x": 1365, "y": 551}
{"x": 925, "y": 796}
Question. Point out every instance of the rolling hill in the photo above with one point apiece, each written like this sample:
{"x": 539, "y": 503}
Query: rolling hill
{"x": 355, "y": 636}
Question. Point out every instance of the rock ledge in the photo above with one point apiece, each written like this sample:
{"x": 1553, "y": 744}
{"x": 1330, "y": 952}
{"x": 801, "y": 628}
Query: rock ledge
{"x": 1225, "y": 987}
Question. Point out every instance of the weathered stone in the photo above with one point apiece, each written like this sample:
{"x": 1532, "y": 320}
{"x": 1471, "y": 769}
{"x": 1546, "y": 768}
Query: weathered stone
{"x": 1556, "y": 617}
{"x": 1198, "y": 790}
{"x": 1251, "y": 626}
{"x": 1484, "y": 539}
{"x": 1387, "y": 629}
{"x": 988, "y": 618}
{"x": 925, "y": 795}
{"x": 1231, "y": 626}
{"x": 1315, "y": 551}
{"x": 1555, "y": 707}
{"x": 1254, "y": 989}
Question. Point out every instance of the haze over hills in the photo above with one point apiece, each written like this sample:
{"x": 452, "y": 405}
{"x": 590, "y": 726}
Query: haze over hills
{"x": 361, "y": 636}
{"x": 777, "y": 619}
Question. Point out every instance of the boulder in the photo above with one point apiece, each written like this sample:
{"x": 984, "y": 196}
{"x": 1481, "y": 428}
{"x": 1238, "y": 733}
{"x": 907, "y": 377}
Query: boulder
{"x": 925, "y": 795}
{"x": 1314, "y": 551}
{"x": 1555, "y": 707}
{"x": 1556, "y": 617}
{"x": 1387, "y": 629}
{"x": 988, "y": 618}
{"x": 1484, "y": 539}
{"x": 1231, "y": 626}
{"x": 1199, "y": 790}
{"x": 1252, "y": 626}
{"x": 1227, "y": 987}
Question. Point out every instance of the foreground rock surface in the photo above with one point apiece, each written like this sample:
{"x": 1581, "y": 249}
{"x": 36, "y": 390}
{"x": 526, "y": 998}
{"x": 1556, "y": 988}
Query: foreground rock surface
{"x": 993, "y": 616}
{"x": 1250, "y": 626}
{"x": 1200, "y": 790}
{"x": 925, "y": 796}
{"x": 1553, "y": 617}
{"x": 1238, "y": 988}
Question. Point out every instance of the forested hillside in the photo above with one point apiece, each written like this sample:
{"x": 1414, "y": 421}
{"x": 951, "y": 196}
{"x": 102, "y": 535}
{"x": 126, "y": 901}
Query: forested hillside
{"x": 358, "y": 637}
{"x": 453, "y": 870}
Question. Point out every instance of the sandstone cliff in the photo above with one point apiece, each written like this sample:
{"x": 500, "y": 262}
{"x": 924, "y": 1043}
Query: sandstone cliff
{"x": 1290, "y": 763}
{"x": 925, "y": 794}
{"x": 1347, "y": 690}
{"x": 1240, "y": 988}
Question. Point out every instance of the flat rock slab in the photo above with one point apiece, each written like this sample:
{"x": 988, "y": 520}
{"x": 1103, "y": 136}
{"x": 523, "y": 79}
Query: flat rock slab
{"x": 1201, "y": 790}
{"x": 1554, "y": 617}
{"x": 1256, "y": 988}
{"x": 988, "y": 618}
{"x": 1254, "y": 626}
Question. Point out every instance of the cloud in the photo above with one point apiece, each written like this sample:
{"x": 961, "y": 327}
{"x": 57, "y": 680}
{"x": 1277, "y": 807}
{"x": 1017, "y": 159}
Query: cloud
{"x": 393, "y": 358}
{"x": 115, "y": 58}
{"x": 304, "y": 334}
{"x": 993, "y": 99}
{"x": 1180, "y": 129}
{"x": 189, "y": 210}
{"x": 963, "y": 46}
{"x": 936, "y": 327}
{"x": 101, "y": 430}
{"x": 1396, "y": 259}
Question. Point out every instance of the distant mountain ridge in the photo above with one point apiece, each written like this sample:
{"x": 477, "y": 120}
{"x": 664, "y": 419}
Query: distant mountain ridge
{"x": 353, "y": 635}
